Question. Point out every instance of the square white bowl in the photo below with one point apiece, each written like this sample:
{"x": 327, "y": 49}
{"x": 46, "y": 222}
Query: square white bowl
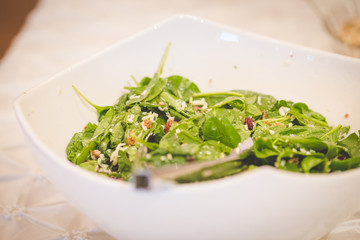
{"x": 262, "y": 204}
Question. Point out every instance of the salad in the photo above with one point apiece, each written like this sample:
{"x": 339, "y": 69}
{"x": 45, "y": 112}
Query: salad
{"x": 179, "y": 124}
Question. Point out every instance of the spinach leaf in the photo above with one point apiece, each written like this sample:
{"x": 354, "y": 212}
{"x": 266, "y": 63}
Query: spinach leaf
{"x": 181, "y": 87}
{"x": 343, "y": 165}
{"x": 352, "y": 144}
{"x": 100, "y": 110}
{"x": 104, "y": 124}
{"x": 84, "y": 153}
{"x": 306, "y": 116}
{"x": 310, "y": 162}
{"x": 79, "y": 141}
{"x": 233, "y": 101}
{"x": 220, "y": 129}
{"x": 178, "y": 123}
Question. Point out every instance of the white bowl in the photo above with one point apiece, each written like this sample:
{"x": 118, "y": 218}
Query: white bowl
{"x": 262, "y": 204}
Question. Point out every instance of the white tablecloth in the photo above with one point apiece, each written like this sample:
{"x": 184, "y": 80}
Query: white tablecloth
{"x": 60, "y": 33}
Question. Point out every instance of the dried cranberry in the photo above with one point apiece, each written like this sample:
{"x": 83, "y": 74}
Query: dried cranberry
{"x": 249, "y": 122}
{"x": 190, "y": 158}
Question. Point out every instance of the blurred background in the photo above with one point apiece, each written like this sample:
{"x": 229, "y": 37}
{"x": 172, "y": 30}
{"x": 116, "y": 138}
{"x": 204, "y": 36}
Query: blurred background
{"x": 13, "y": 14}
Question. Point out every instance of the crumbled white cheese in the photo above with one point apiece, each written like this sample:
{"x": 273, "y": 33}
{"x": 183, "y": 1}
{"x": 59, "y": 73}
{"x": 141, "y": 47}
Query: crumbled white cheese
{"x": 163, "y": 158}
{"x": 134, "y": 96}
{"x": 140, "y": 134}
{"x": 152, "y": 116}
{"x": 144, "y": 93}
{"x": 100, "y": 159}
{"x": 130, "y": 118}
{"x": 143, "y": 126}
{"x": 205, "y": 106}
{"x": 272, "y": 132}
{"x": 169, "y": 156}
{"x": 183, "y": 105}
{"x": 302, "y": 150}
{"x": 290, "y": 125}
{"x": 283, "y": 111}
{"x": 200, "y": 102}
{"x": 177, "y": 130}
{"x": 114, "y": 155}
{"x": 167, "y": 115}
{"x": 147, "y": 137}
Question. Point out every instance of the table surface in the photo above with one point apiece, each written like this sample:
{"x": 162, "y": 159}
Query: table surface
{"x": 58, "y": 34}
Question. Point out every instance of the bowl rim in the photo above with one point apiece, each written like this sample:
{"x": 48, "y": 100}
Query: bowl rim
{"x": 260, "y": 171}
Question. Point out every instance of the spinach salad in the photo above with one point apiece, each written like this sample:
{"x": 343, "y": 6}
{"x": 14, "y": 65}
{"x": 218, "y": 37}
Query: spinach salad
{"x": 179, "y": 124}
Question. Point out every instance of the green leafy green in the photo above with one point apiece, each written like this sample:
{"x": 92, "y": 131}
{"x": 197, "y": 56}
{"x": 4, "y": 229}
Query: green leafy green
{"x": 178, "y": 124}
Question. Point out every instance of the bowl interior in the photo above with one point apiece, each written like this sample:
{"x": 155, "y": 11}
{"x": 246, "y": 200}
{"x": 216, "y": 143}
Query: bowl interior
{"x": 213, "y": 56}
{"x": 216, "y": 58}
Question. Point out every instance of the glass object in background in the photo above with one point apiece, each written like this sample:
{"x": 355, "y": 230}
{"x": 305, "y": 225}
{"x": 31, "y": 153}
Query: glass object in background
{"x": 343, "y": 22}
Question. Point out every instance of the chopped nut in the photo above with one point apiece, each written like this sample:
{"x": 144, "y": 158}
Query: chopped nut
{"x": 168, "y": 125}
{"x": 131, "y": 141}
{"x": 294, "y": 160}
{"x": 279, "y": 124}
{"x": 268, "y": 123}
{"x": 264, "y": 115}
{"x": 147, "y": 123}
{"x": 96, "y": 153}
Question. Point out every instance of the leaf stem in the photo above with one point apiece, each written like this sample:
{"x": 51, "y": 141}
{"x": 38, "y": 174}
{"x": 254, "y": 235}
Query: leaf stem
{"x": 211, "y": 94}
{"x": 331, "y": 131}
{"x": 273, "y": 119}
{"x": 98, "y": 109}
{"x": 162, "y": 63}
